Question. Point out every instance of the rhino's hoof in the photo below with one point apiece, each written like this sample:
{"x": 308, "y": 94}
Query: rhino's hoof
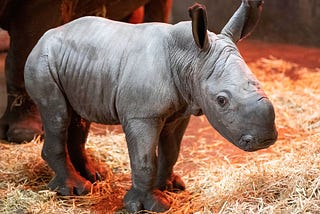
{"x": 22, "y": 135}
{"x": 136, "y": 200}
{"x": 177, "y": 183}
{"x": 70, "y": 186}
{"x": 174, "y": 184}
{"x": 94, "y": 176}
{"x": 22, "y": 124}
{"x": 90, "y": 173}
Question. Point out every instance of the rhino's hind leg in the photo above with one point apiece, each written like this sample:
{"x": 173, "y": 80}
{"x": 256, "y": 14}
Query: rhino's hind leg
{"x": 168, "y": 151}
{"x": 67, "y": 180}
{"x": 55, "y": 115}
{"x": 77, "y": 136}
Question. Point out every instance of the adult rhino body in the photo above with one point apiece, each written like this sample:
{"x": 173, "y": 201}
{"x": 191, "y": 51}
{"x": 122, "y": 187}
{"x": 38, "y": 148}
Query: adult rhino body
{"x": 149, "y": 78}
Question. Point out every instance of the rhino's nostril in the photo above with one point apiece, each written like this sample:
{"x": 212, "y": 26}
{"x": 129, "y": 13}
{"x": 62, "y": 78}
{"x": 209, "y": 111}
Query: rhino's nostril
{"x": 246, "y": 139}
{"x": 262, "y": 97}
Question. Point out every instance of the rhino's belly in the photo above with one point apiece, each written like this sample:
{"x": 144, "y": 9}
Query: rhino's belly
{"x": 92, "y": 95}
{"x": 95, "y": 109}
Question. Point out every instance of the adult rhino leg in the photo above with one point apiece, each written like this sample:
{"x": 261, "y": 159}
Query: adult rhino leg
{"x": 168, "y": 151}
{"x": 142, "y": 137}
{"x": 77, "y": 136}
{"x": 21, "y": 121}
{"x": 157, "y": 11}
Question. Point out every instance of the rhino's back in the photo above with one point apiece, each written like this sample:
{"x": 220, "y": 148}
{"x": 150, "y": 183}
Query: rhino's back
{"x": 94, "y": 60}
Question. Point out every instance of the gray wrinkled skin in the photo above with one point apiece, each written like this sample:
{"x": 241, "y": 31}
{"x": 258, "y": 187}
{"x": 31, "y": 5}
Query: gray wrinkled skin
{"x": 149, "y": 78}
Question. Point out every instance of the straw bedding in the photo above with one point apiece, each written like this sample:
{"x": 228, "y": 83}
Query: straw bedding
{"x": 284, "y": 178}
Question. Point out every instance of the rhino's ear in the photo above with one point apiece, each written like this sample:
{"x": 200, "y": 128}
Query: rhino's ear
{"x": 244, "y": 20}
{"x": 198, "y": 15}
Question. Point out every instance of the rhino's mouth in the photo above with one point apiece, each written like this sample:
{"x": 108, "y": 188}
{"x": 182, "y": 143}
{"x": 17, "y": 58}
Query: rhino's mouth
{"x": 250, "y": 144}
{"x": 255, "y": 145}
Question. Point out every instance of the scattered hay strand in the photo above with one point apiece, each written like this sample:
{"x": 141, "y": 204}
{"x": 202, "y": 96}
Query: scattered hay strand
{"x": 282, "y": 179}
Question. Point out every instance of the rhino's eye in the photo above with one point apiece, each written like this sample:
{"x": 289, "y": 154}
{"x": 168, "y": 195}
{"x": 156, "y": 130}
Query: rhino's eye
{"x": 222, "y": 101}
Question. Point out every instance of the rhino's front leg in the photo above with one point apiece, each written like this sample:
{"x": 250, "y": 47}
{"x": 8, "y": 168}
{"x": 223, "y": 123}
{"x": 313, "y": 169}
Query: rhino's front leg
{"x": 142, "y": 137}
{"x": 168, "y": 151}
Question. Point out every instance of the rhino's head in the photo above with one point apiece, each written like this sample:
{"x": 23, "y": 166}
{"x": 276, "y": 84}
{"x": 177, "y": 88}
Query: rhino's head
{"x": 228, "y": 94}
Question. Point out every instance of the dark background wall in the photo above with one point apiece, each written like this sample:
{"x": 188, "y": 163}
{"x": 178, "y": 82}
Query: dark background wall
{"x": 288, "y": 21}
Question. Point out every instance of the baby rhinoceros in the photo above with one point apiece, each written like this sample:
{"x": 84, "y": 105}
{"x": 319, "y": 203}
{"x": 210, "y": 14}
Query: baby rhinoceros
{"x": 150, "y": 78}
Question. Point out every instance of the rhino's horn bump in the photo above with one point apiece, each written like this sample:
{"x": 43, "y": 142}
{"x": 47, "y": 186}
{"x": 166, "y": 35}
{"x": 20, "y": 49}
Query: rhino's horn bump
{"x": 244, "y": 20}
